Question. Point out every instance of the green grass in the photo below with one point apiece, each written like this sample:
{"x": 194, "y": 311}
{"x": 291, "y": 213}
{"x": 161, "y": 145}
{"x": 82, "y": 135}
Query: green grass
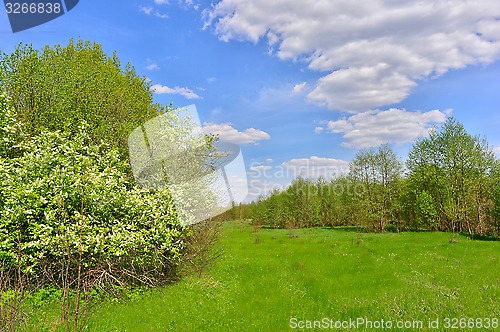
{"x": 265, "y": 278}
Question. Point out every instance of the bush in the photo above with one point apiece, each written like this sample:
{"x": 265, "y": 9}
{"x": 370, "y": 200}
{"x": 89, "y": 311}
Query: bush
{"x": 69, "y": 215}
{"x": 10, "y": 130}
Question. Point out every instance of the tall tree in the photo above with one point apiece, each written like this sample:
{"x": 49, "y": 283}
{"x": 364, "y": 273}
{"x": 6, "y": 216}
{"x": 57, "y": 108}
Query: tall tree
{"x": 378, "y": 170}
{"x": 57, "y": 87}
{"x": 454, "y": 168}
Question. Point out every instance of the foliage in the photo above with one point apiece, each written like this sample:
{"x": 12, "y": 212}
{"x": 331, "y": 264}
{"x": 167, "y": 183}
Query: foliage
{"x": 57, "y": 87}
{"x": 10, "y": 130}
{"x": 199, "y": 253}
{"x": 495, "y": 210}
{"x": 451, "y": 184}
{"x": 454, "y": 169}
{"x": 70, "y": 218}
{"x": 368, "y": 197}
{"x": 378, "y": 171}
{"x": 305, "y": 203}
{"x": 68, "y": 207}
{"x": 425, "y": 210}
{"x": 170, "y": 151}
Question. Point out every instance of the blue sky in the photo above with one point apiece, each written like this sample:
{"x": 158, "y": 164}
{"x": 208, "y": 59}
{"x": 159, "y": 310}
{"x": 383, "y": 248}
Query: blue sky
{"x": 302, "y": 85}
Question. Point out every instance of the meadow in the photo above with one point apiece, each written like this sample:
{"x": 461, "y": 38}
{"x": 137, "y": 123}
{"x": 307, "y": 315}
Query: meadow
{"x": 73, "y": 219}
{"x": 281, "y": 279}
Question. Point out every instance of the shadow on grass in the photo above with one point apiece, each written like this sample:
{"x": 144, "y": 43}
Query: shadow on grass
{"x": 389, "y": 229}
{"x": 481, "y": 237}
{"x": 346, "y": 228}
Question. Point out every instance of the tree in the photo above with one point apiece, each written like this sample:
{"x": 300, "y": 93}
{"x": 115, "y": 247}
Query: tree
{"x": 58, "y": 87}
{"x": 454, "y": 168}
{"x": 425, "y": 210}
{"x": 378, "y": 170}
{"x": 495, "y": 198}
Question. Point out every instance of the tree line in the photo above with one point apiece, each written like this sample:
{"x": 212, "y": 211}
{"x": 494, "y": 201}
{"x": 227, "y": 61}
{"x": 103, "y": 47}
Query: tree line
{"x": 450, "y": 182}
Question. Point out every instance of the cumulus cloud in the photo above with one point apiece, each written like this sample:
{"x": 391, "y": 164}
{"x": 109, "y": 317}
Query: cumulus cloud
{"x": 357, "y": 89}
{"x": 376, "y": 127}
{"x": 315, "y": 167}
{"x": 298, "y": 88}
{"x": 372, "y": 55}
{"x": 185, "y": 92}
{"x": 261, "y": 168}
{"x": 160, "y": 15}
{"x": 319, "y": 130}
{"x": 228, "y": 133}
{"x": 152, "y": 66}
{"x": 497, "y": 151}
{"x": 146, "y": 10}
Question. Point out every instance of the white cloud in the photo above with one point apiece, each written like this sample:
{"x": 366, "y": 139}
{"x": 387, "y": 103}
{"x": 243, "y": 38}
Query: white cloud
{"x": 298, "y": 88}
{"x": 355, "y": 89}
{"x": 185, "y": 92}
{"x": 160, "y": 15}
{"x": 376, "y": 127}
{"x": 315, "y": 167}
{"x": 146, "y": 10}
{"x": 216, "y": 111}
{"x": 161, "y": 2}
{"x": 497, "y": 151}
{"x": 152, "y": 66}
{"x": 150, "y": 11}
{"x": 372, "y": 55}
{"x": 269, "y": 160}
{"x": 319, "y": 130}
{"x": 261, "y": 168}
{"x": 228, "y": 133}
{"x": 190, "y": 3}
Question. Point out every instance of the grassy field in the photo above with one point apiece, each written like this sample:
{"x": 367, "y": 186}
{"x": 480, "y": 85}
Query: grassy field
{"x": 273, "y": 280}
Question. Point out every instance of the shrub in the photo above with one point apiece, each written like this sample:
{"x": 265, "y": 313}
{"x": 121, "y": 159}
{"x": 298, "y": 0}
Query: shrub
{"x": 10, "y": 130}
{"x": 68, "y": 214}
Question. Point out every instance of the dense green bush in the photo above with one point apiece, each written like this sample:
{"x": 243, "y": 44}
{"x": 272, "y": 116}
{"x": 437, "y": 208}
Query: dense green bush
{"x": 68, "y": 212}
{"x": 10, "y": 130}
{"x": 71, "y": 220}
